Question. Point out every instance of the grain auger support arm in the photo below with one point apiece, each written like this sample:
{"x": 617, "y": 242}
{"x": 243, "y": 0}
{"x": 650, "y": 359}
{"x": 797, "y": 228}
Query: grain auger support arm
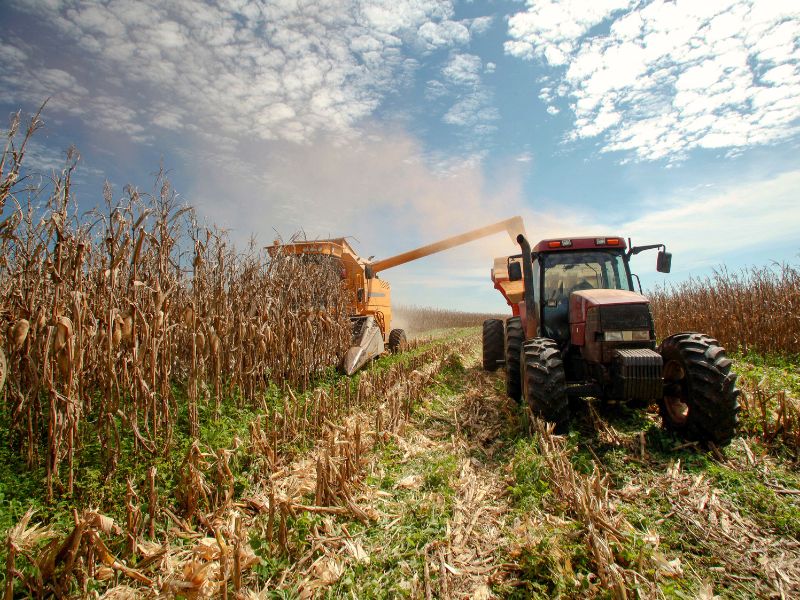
{"x": 514, "y": 226}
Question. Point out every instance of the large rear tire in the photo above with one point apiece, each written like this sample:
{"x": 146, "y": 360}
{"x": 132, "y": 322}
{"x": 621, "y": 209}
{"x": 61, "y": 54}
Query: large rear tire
{"x": 701, "y": 401}
{"x": 514, "y": 339}
{"x": 544, "y": 383}
{"x": 492, "y": 343}
{"x": 397, "y": 341}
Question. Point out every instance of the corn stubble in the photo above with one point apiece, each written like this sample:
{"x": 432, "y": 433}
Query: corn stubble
{"x": 203, "y": 547}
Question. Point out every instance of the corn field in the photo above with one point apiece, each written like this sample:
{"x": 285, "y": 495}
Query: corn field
{"x": 133, "y": 332}
{"x": 122, "y": 321}
{"x": 753, "y": 310}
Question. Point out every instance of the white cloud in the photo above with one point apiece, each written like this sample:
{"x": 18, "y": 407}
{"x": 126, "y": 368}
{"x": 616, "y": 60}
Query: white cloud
{"x": 475, "y": 111}
{"x": 463, "y": 69}
{"x": 443, "y": 35}
{"x": 474, "y": 108}
{"x": 276, "y": 71}
{"x": 480, "y": 25}
{"x": 435, "y": 89}
{"x": 670, "y": 76}
{"x": 550, "y": 29}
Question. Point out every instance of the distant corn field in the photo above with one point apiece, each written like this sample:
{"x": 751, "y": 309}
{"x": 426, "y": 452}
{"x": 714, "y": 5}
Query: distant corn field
{"x": 418, "y": 319}
{"x": 752, "y": 310}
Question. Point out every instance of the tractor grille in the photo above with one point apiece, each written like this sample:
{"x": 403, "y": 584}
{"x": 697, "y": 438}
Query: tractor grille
{"x": 625, "y": 316}
{"x": 637, "y": 374}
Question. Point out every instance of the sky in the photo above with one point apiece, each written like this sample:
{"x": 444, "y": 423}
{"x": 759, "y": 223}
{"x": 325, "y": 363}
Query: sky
{"x": 400, "y": 122}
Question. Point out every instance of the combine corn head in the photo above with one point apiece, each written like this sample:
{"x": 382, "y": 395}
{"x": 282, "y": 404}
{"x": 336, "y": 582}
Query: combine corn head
{"x": 371, "y": 307}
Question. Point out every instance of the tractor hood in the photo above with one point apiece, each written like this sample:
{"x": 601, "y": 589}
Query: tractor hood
{"x": 581, "y": 301}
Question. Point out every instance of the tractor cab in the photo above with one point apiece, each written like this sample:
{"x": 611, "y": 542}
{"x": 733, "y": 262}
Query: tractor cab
{"x": 564, "y": 272}
{"x": 562, "y": 267}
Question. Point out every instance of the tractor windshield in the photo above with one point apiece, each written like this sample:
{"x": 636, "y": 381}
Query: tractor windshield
{"x": 567, "y": 272}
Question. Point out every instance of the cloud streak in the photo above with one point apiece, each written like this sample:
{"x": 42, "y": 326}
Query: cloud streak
{"x": 661, "y": 78}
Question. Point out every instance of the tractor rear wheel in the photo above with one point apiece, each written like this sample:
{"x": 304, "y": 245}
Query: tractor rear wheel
{"x": 701, "y": 401}
{"x": 492, "y": 343}
{"x": 544, "y": 383}
{"x": 514, "y": 339}
{"x": 397, "y": 341}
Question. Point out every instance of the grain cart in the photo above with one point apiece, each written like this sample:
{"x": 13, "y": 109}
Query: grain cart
{"x": 580, "y": 329}
{"x": 370, "y": 296}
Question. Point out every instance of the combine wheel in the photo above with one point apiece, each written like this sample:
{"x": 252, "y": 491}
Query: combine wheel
{"x": 397, "y": 341}
{"x": 514, "y": 339}
{"x": 544, "y": 384}
{"x": 701, "y": 401}
{"x": 492, "y": 343}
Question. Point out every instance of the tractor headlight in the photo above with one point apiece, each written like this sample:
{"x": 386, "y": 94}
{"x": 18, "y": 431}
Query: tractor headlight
{"x": 641, "y": 335}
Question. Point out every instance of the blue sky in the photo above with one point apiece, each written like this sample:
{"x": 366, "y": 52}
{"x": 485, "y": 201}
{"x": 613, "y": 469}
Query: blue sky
{"x": 399, "y": 122}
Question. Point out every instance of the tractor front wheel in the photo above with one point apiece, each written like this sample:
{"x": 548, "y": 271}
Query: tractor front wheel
{"x": 544, "y": 383}
{"x": 492, "y": 343}
{"x": 514, "y": 338}
{"x": 701, "y": 401}
{"x": 397, "y": 341}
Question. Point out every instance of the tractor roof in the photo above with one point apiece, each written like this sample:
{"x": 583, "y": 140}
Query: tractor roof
{"x": 581, "y": 243}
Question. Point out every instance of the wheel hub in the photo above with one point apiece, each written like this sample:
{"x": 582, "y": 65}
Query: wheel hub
{"x": 675, "y": 392}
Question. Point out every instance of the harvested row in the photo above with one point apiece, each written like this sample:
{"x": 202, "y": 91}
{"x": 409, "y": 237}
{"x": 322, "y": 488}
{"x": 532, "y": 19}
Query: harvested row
{"x": 175, "y": 555}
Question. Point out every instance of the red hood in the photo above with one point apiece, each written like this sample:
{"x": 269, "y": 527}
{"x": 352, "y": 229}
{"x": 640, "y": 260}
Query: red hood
{"x": 581, "y": 300}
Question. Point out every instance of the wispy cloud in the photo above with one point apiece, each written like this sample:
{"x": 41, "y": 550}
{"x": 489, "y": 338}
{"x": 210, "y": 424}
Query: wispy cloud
{"x": 272, "y": 71}
{"x": 472, "y": 108}
{"x": 661, "y": 78}
{"x": 704, "y": 226}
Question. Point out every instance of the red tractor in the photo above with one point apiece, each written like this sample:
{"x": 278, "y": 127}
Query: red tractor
{"x": 579, "y": 329}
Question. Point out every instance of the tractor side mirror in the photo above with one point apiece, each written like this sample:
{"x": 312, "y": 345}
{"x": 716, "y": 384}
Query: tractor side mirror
{"x": 514, "y": 271}
{"x": 664, "y": 261}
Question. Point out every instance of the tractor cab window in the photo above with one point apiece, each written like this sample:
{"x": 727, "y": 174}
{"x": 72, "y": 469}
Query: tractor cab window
{"x": 571, "y": 271}
{"x": 567, "y": 272}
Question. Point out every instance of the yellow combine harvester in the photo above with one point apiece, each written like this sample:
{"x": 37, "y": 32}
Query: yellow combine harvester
{"x": 371, "y": 308}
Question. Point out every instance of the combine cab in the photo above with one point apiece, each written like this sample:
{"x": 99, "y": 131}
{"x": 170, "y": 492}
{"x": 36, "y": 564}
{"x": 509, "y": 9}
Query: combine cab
{"x": 579, "y": 328}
